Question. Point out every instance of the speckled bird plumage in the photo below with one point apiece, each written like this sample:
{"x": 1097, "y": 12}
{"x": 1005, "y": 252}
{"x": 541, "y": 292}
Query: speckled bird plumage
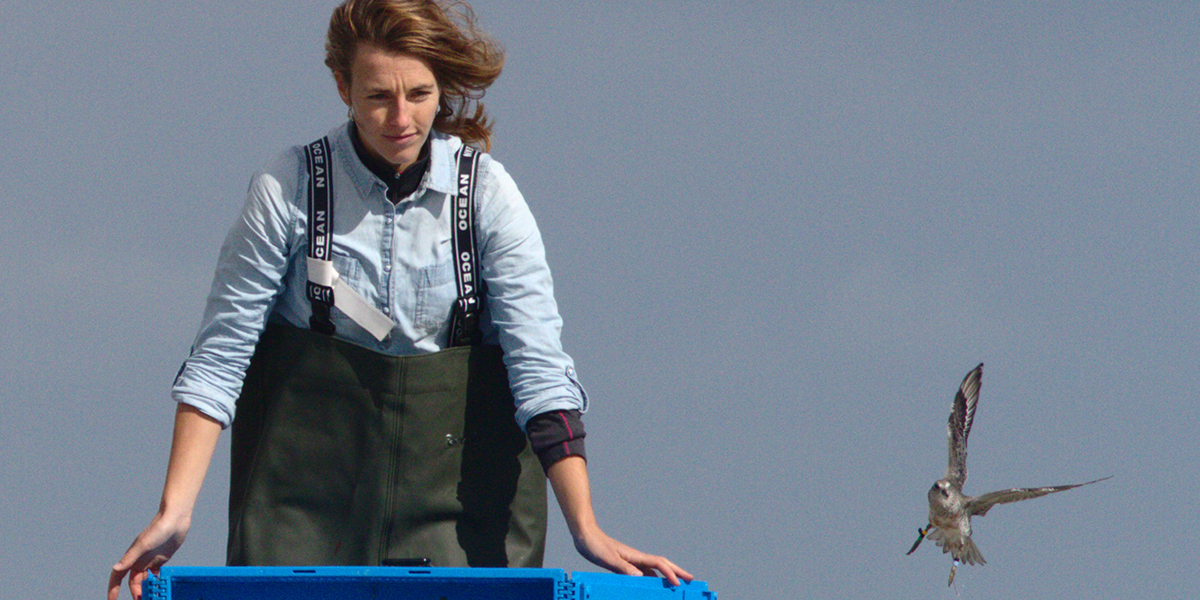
{"x": 950, "y": 510}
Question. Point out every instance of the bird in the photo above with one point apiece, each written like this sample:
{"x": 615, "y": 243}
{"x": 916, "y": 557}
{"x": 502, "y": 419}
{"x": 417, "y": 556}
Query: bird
{"x": 950, "y": 510}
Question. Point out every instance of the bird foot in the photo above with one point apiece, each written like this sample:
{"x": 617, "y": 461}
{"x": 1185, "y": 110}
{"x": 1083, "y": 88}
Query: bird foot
{"x": 920, "y": 536}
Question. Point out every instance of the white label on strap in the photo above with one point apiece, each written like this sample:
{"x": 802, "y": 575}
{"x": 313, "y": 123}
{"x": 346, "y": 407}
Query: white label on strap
{"x": 321, "y": 272}
{"x": 348, "y": 301}
{"x": 362, "y": 312}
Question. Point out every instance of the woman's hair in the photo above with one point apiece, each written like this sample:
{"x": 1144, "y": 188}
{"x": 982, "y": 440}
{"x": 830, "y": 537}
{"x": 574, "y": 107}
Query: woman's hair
{"x": 464, "y": 60}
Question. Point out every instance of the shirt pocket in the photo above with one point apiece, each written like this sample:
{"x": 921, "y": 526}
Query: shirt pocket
{"x": 349, "y": 270}
{"x": 437, "y": 290}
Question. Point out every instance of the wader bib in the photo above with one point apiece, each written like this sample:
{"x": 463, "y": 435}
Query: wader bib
{"x": 345, "y": 456}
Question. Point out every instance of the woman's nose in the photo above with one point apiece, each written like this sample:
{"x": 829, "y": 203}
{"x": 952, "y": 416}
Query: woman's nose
{"x": 401, "y": 114}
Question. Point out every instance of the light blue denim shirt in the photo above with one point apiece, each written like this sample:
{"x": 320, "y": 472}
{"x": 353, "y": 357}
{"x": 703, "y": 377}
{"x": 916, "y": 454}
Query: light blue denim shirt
{"x": 399, "y": 258}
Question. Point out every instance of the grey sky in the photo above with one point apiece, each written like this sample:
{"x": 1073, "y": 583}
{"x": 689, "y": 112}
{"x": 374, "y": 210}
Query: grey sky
{"x": 781, "y": 234}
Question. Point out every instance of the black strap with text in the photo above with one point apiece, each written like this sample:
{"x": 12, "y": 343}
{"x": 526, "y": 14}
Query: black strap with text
{"x": 464, "y": 318}
{"x": 320, "y": 230}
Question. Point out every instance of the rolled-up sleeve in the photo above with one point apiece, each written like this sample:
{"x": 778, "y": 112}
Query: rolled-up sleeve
{"x": 520, "y": 297}
{"x": 250, "y": 270}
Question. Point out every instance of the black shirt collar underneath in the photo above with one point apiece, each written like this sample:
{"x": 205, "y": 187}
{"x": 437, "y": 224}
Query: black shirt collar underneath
{"x": 400, "y": 185}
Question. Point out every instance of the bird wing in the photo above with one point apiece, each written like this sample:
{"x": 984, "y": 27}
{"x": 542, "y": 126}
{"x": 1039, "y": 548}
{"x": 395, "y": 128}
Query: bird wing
{"x": 962, "y": 414}
{"x": 980, "y": 505}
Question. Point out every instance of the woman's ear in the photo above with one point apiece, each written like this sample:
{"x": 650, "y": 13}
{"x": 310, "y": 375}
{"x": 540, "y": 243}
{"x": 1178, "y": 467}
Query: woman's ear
{"x": 343, "y": 87}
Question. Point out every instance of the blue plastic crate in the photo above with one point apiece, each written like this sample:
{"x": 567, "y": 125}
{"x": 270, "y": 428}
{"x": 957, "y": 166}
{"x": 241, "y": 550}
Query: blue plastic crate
{"x": 430, "y": 583}
{"x": 609, "y": 586}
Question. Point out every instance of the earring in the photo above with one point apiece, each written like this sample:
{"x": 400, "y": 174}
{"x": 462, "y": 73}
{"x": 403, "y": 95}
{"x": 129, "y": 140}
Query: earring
{"x": 350, "y": 113}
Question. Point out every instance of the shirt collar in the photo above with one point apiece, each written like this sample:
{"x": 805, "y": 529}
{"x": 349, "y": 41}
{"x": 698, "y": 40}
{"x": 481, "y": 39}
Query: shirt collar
{"x": 400, "y": 185}
{"x": 439, "y": 174}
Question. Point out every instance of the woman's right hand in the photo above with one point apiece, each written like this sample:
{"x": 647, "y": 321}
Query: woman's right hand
{"x": 192, "y": 447}
{"x": 152, "y": 548}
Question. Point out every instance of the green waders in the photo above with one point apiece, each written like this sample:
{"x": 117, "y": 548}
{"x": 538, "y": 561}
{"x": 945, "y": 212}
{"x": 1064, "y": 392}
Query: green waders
{"x": 344, "y": 456}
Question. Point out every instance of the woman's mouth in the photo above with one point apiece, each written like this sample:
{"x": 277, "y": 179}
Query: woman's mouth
{"x": 400, "y": 139}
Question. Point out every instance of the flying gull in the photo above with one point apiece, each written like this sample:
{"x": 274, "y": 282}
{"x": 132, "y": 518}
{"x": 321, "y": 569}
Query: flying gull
{"x": 950, "y": 511}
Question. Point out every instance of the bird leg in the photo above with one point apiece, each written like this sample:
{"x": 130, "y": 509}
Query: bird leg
{"x": 920, "y": 536}
{"x": 953, "y": 568}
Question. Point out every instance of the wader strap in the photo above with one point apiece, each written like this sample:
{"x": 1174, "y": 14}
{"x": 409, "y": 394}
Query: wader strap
{"x": 320, "y": 225}
{"x": 325, "y": 288}
{"x": 464, "y": 318}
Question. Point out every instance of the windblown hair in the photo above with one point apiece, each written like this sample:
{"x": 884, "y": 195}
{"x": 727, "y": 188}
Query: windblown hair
{"x": 463, "y": 59}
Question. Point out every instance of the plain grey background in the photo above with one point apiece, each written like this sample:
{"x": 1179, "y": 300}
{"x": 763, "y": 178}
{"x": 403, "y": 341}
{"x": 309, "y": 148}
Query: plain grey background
{"x": 781, "y": 234}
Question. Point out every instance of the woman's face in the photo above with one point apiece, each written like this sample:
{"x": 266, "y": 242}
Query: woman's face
{"x": 394, "y": 98}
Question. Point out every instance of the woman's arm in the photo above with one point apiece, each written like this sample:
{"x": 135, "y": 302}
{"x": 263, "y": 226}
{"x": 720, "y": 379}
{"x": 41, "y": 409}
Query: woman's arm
{"x": 192, "y": 447}
{"x": 522, "y": 308}
{"x": 569, "y": 479}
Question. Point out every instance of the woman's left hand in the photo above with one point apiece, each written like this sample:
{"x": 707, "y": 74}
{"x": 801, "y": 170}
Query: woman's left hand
{"x": 615, "y": 556}
{"x": 569, "y": 479}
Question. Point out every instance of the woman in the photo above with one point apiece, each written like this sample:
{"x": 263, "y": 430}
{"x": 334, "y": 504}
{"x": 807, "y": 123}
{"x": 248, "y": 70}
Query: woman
{"x": 380, "y": 373}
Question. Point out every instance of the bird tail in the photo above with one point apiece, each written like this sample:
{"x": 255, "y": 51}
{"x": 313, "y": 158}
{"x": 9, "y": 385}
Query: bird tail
{"x": 960, "y": 546}
{"x": 969, "y": 552}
